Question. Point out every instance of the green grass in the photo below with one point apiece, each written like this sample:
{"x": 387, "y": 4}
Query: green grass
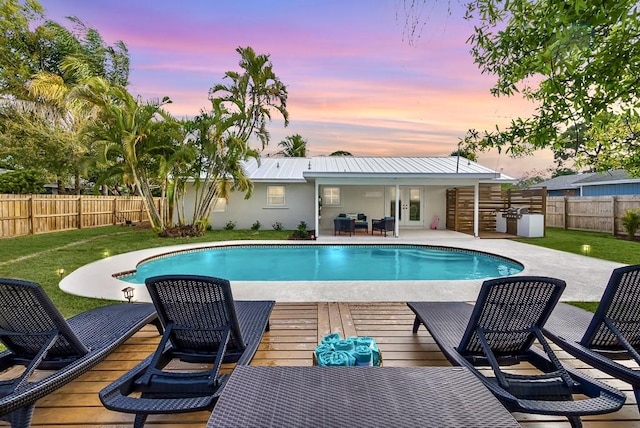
{"x": 37, "y": 258}
{"x": 593, "y": 244}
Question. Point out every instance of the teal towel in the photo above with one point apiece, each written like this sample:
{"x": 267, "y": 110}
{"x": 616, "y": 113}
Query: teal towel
{"x": 346, "y": 345}
{"x": 324, "y": 358}
{"x": 364, "y": 356}
{"x": 366, "y": 341}
{"x": 324, "y": 347}
{"x": 331, "y": 338}
{"x": 338, "y": 358}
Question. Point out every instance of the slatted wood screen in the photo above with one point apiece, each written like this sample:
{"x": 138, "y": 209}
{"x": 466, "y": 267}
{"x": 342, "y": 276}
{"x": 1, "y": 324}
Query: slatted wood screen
{"x": 492, "y": 199}
{"x": 32, "y": 214}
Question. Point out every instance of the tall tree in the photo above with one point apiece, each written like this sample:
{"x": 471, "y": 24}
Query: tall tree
{"x": 240, "y": 111}
{"x": 341, "y": 153}
{"x": 40, "y": 127}
{"x": 293, "y": 146}
{"x": 577, "y": 61}
{"x": 135, "y": 137}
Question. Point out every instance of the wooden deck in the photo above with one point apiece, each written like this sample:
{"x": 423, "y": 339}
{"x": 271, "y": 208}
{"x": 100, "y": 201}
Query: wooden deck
{"x": 295, "y": 331}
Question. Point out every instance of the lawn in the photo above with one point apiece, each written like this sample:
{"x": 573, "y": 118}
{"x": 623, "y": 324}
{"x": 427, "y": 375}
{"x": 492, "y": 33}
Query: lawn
{"x": 39, "y": 258}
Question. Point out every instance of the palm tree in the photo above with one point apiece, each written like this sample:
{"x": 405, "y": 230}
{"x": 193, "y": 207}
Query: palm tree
{"x": 240, "y": 110}
{"x": 293, "y": 146}
{"x": 134, "y": 137}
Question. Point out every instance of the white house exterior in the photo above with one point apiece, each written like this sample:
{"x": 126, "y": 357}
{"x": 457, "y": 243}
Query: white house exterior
{"x": 315, "y": 190}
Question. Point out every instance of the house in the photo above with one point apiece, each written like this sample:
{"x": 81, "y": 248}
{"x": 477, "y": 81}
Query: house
{"x": 609, "y": 183}
{"x": 315, "y": 190}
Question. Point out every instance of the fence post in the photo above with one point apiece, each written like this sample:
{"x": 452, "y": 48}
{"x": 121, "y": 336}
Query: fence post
{"x": 30, "y": 215}
{"x": 565, "y": 213}
{"x": 79, "y": 212}
{"x": 114, "y": 209}
{"x": 613, "y": 214}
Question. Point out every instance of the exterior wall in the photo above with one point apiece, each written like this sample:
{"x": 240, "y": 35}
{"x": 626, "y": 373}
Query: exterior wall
{"x": 368, "y": 200}
{"x": 563, "y": 192}
{"x": 299, "y": 205}
{"x": 372, "y": 200}
{"x": 612, "y": 189}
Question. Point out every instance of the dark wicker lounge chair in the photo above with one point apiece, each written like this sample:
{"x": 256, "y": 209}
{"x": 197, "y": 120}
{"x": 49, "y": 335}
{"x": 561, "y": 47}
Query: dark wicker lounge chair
{"x": 500, "y": 330}
{"x": 37, "y": 337}
{"x": 609, "y": 336}
{"x": 203, "y": 325}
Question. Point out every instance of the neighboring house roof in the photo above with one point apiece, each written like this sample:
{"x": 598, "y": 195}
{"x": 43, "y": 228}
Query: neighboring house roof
{"x": 618, "y": 176}
{"x": 301, "y": 169}
{"x": 562, "y": 182}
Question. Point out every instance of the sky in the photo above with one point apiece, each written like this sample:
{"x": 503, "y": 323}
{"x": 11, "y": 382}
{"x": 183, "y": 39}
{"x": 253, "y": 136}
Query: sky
{"x": 356, "y": 80}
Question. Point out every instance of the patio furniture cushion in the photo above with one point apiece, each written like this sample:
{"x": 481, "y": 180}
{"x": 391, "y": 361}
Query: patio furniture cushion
{"x": 608, "y": 340}
{"x": 203, "y": 325}
{"x": 38, "y": 337}
{"x": 500, "y": 330}
{"x": 361, "y": 222}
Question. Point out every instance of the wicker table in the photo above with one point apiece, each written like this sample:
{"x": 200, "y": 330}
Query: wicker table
{"x": 357, "y": 396}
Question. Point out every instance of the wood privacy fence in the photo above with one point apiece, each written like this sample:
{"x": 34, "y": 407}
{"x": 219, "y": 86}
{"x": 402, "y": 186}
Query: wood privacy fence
{"x": 32, "y": 214}
{"x": 596, "y": 213}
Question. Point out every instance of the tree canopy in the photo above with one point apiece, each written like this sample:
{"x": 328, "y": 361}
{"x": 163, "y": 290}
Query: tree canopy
{"x": 577, "y": 61}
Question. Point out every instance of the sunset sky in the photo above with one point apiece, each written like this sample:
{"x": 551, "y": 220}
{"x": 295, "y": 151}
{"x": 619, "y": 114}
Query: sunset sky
{"x": 356, "y": 82}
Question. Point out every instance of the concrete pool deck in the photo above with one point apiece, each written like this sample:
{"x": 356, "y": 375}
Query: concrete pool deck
{"x": 586, "y": 277}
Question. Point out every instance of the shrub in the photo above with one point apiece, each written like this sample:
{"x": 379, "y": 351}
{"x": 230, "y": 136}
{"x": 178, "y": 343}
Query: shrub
{"x": 256, "y": 225}
{"x": 302, "y": 230}
{"x": 277, "y": 226}
{"x": 230, "y": 225}
{"x": 631, "y": 222}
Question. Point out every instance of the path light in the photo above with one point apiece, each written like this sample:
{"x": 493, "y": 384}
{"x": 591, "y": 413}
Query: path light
{"x": 586, "y": 249}
{"x": 106, "y": 253}
{"x": 128, "y": 293}
{"x": 60, "y": 272}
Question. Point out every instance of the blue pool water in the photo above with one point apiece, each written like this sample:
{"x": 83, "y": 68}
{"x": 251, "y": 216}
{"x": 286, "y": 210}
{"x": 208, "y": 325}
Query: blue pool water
{"x": 329, "y": 263}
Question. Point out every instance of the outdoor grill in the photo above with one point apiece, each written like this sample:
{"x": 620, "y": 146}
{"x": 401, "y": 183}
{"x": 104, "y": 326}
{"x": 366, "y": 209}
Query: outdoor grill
{"x": 520, "y": 221}
{"x": 516, "y": 213}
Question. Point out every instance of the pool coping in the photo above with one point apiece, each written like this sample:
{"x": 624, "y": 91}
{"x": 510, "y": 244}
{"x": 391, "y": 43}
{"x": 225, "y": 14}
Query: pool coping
{"x": 586, "y": 277}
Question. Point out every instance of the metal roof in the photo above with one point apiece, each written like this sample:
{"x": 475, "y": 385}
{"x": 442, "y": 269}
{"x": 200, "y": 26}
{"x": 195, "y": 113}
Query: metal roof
{"x": 301, "y": 169}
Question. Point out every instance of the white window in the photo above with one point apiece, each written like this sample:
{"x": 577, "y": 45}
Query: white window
{"x": 330, "y": 196}
{"x": 219, "y": 205}
{"x": 275, "y": 196}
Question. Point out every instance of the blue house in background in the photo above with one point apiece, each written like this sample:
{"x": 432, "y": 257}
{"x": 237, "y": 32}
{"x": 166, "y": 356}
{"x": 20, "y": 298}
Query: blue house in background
{"x": 610, "y": 183}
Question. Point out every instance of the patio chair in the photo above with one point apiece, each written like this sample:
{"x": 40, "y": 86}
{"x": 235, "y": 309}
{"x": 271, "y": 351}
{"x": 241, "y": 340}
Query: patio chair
{"x": 385, "y": 224}
{"x": 608, "y": 340}
{"x": 203, "y": 325}
{"x": 499, "y": 331}
{"x": 344, "y": 224}
{"x": 37, "y": 337}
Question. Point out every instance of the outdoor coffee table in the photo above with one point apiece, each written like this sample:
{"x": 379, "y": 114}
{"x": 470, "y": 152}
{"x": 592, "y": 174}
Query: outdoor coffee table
{"x": 439, "y": 397}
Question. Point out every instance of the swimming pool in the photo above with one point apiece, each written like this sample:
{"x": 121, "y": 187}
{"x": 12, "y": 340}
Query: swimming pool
{"x": 328, "y": 263}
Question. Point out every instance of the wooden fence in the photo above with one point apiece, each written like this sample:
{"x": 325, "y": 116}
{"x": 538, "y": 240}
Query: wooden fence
{"x": 33, "y": 214}
{"x": 594, "y": 213}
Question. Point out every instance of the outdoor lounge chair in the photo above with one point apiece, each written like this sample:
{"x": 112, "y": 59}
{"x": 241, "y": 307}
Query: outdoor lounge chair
{"x": 500, "y": 330}
{"x": 203, "y": 325}
{"x": 37, "y": 337}
{"x": 610, "y": 335}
